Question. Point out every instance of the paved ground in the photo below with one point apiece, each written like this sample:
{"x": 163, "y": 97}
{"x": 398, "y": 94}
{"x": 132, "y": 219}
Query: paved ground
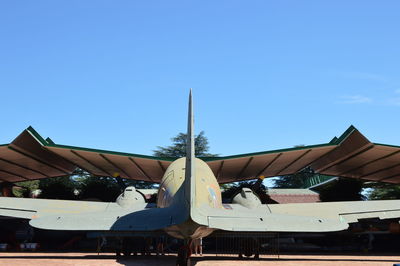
{"x": 89, "y": 259}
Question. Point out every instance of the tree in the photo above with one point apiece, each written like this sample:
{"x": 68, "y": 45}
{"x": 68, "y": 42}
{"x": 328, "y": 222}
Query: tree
{"x": 25, "y": 188}
{"x": 382, "y": 191}
{"x": 345, "y": 189}
{"x": 230, "y": 190}
{"x": 297, "y": 180}
{"x": 57, "y": 188}
{"x": 178, "y": 147}
{"x": 101, "y": 188}
{"x": 139, "y": 184}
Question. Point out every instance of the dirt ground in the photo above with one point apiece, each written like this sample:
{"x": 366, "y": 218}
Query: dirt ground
{"x": 64, "y": 259}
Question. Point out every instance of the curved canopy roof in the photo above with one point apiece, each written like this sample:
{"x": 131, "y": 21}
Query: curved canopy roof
{"x": 30, "y": 157}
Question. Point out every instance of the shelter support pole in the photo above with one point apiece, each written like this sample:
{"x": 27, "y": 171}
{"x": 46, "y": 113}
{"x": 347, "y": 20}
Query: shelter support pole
{"x": 6, "y": 189}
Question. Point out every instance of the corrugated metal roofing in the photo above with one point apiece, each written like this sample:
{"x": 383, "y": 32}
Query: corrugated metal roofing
{"x": 30, "y": 157}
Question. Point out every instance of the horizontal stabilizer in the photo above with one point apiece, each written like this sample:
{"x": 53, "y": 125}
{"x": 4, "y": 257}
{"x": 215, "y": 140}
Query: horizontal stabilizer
{"x": 259, "y": 220}
{"x": 33, "y": 208}
{"x": 88, "y": 215}
{"x": 346, "y": 211}
{"x": 141, "y": 220}
{"x": 297, "y": 217}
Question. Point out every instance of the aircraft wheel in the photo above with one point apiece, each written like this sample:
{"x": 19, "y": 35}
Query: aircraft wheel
{"x": 183, "y": 258}
{"x": 118, "y": 253}
{"x": 126, "y": 252}
{"x": 183, "y": 262}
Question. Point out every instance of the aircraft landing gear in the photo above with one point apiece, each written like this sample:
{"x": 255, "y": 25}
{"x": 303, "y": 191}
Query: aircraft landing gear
{"x": 249, "y": 247}
{"x": 184, "y": 254}
{"x": 125, "y": 248}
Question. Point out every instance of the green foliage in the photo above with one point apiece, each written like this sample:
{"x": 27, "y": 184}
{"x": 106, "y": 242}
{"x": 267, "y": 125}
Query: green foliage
{"x": 138, "y": 184}
{"x": 298, "y": 180}
{"x": 383, "y": 191}
{"x": 57, "y": 188}
{"x": 178, "y": 147}
{"x": 104, "y": 188}
{"x": 230, "y": 190}
{"x": 79, "y": 174}
{"x": 25, "y": 188}
{"x": 83, "y": 185}
{"x": 344, "y": 189}
{"x": 226, "y": 186}
{"x": 99, "y": 188}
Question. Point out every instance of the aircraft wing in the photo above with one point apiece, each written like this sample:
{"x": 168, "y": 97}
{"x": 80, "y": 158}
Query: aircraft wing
{"x": 31, "y": 157}
{"x": 296, "y": 217}
{"x": 351, "y": 155}
{"x": 88, "y": 216}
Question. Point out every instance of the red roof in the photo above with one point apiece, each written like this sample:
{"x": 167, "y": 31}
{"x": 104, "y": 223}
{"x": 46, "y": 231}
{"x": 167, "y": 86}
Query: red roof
{"x": 293, "y": 195}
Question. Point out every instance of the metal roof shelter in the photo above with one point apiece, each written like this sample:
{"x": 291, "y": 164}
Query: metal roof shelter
{"x": 30, "y": 157}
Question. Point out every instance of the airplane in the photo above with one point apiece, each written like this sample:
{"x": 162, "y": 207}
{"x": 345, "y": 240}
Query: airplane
{"x": 189, "y": 203}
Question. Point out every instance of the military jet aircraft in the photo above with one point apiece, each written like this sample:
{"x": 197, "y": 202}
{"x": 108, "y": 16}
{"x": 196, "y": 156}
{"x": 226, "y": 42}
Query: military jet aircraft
{"x": 189, "y": 204}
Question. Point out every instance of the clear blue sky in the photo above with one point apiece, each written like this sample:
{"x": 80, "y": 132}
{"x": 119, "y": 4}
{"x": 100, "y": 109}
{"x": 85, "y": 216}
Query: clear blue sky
{"x": 266, "y": 74}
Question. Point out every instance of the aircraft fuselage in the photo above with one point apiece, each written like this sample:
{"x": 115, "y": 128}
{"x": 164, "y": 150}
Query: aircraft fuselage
{"x": 206, "y": 192}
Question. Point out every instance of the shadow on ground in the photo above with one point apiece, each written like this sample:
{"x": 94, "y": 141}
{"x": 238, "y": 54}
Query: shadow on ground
{"x": 171, "y": 259}
{"x": 139, "y": 260}
{"x": 329, "y": 257}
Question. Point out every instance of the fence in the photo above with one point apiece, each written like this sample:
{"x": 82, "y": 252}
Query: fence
{"x": 242, "y": 244}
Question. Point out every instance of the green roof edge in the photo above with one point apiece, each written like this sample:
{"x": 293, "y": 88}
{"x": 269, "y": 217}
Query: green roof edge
{"x": 50, "y": 141}
{"x": 112, "y": 152}
{"x": 208, "y": 159}
{"x": 345, "y": 134}
{"x": 387, "y": 145}
{"x": 334, "y": 142}
{"x": 32, "y": 131}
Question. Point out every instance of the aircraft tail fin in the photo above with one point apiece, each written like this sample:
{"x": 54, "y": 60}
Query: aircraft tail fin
{"x": 190, "y": 155}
